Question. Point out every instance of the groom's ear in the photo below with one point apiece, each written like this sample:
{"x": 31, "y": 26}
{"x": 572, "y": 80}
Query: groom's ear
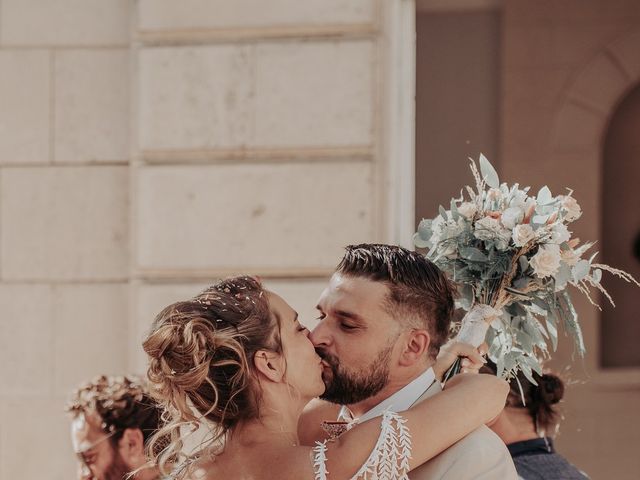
{"x": 416, "y": 348}
{"x": 269, "y": 365}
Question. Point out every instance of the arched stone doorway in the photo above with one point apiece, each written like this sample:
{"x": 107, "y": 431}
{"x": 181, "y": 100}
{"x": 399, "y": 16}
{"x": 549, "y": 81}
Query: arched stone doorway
{"x": 580, "y": 129}
{"x": 620, "y": 328}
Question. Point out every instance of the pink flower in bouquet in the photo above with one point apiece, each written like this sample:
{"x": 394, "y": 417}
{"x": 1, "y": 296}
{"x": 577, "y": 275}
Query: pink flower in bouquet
{"x": 570, "y": 208}
{"x": 531, "y": 209}
{"x": 569, "y": 256}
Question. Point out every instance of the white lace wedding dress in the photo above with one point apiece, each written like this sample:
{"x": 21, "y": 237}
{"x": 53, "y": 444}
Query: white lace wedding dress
{"x": 389, "y": 459}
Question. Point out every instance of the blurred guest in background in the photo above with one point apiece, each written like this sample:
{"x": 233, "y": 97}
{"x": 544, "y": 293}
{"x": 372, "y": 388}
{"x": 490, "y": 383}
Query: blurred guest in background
{"x": 112, "y": 418}
{"x": 527, "y": 427}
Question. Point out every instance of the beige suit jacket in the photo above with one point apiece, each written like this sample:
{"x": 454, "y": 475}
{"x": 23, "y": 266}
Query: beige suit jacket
{"x": 481, "y": 455}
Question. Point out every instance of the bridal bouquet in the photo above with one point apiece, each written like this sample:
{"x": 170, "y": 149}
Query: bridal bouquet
{"x": 513, "y": 258}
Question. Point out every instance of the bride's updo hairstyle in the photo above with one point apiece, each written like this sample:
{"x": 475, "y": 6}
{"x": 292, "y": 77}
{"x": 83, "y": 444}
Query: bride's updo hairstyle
{"x": 201, "y": 361}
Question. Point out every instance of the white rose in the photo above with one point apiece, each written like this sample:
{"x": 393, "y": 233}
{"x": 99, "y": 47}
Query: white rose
{"x": 468, "y": 210}
{"x": 512, "y": 216}
{"x": 523, "y": 234}
{"x": 546, "y": 262}
{"x": 560, "y": 233}
{"x": 571, "y": 209}
{"x": 488, "y": 228}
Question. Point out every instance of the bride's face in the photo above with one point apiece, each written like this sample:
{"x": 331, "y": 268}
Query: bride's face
{"x": 303, "y": 365}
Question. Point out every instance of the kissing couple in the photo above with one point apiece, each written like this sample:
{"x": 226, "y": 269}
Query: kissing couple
{"x": 359, "y": 397}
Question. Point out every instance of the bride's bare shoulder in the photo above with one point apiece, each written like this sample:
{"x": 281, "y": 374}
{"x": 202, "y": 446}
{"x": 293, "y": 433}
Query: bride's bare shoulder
{"x": 310, "y": 423}
{"x": 261, "y": 463}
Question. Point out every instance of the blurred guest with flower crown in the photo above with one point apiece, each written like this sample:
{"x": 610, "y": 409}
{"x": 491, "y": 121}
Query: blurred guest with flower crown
{"x": 527, "y": 425}
{"x": 112, "y": 418}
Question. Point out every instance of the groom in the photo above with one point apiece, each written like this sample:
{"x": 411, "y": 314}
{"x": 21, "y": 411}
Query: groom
{"x": 383, "y": 318}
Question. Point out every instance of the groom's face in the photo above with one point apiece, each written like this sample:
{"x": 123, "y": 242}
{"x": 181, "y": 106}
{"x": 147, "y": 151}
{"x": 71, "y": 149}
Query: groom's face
{"x": 356, "y": 338}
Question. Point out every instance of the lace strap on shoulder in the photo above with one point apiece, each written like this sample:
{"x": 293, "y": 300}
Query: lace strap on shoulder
{"x": 389, "y": 459}
{"x": 320, "y": 461}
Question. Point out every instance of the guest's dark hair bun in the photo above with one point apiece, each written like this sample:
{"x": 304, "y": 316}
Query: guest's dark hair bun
{"x": 551, "y": 388}
{"x": 539, "y": 399}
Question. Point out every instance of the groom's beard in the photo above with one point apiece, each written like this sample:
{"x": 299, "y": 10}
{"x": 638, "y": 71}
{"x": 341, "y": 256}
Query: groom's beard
{"x": 346, "y": 387}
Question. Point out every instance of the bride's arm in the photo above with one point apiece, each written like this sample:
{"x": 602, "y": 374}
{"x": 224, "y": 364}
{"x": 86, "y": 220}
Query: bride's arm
{"x": 434, "y": 424}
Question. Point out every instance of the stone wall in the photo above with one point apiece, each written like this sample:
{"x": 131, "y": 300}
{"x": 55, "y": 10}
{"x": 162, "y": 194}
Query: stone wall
{"x": 256, "y": 145}
{"x": 148, "y": 148}
{"x": 64, "y": 218}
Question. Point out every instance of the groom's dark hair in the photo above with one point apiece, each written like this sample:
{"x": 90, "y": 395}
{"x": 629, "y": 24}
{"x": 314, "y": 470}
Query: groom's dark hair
{"x": 419, "y": 292}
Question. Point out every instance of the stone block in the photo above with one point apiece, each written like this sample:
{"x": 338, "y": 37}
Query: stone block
{"x": 573, "y": 45}
{"x": 591, "y": 429}
{"x": 251, "y": 217}
{"x": 35, "y": 439}
{"x": 527, "y": 46}
{"x": 525, "y": 129}
{"x": 314, "y": 94}
{"x": 65, "y": 22}
{"x": 577, "y": 129}
{"x": 195, "y": 97}
{"x": 547, "y": 45}
{"x": 91, "y": 105}
{"x": 302, "y": 294}
{"x": 26, "y": 339}
{"x": 24, "y": 116}
{"x": 64, "y": 223}
{"x": 272, "y": 95}
{"x": 167, "y": 14}
{"x": 534, "y": 87}
{"x": 571, "y": 12}
{"x": 91, "y": 332}
{"x": 602, "y": 84}
{"x": 626, "y": 51}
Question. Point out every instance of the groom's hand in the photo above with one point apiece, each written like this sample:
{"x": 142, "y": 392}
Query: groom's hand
{"x": 472, "y": 359}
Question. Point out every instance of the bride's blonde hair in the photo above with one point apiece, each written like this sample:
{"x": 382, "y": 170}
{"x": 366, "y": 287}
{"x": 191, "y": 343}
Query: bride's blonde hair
{"x": 201, "y": 362}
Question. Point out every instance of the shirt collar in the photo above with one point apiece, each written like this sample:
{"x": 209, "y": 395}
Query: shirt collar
{"x": 534, "y": 446}
{"x": 400, "y": 401}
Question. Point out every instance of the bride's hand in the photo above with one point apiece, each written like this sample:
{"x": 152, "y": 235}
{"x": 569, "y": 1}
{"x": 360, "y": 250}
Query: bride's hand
{"x": 472, "y": 360}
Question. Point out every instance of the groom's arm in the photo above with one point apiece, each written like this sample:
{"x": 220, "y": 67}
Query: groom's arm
{"x": 310, "y": 424}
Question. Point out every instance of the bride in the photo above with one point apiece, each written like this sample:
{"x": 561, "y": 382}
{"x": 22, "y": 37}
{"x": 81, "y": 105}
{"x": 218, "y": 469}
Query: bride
{"x": 236, "y": 359}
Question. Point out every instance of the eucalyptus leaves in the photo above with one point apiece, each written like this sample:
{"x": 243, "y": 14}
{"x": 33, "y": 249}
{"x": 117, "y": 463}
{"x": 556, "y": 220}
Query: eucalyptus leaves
{"x": 513, "y": 252}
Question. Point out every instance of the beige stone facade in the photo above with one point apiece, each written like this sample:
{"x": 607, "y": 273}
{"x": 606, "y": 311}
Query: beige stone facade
{"x": 149, "y": 147}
